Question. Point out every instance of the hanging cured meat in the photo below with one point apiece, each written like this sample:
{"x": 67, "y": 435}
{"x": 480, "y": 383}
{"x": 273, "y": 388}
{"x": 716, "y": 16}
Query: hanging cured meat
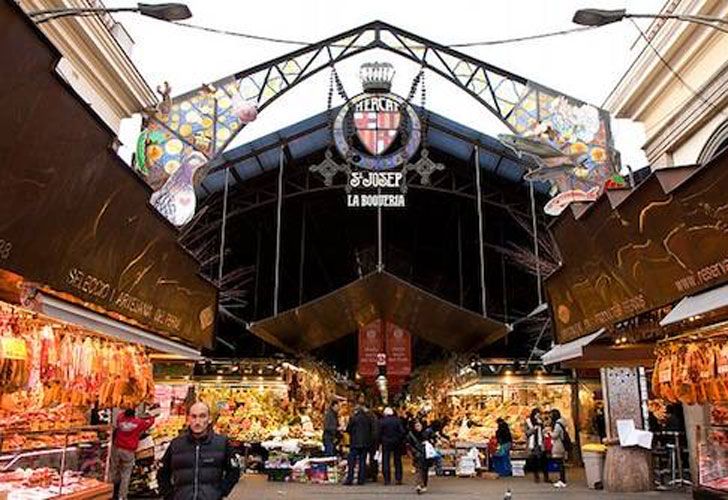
{"x": 693, "y": 373}
{"x": 68, "y": 365}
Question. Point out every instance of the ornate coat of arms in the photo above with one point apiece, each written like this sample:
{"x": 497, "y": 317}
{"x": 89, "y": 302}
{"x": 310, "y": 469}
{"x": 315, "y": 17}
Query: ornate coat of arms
{"x": 377, "y": 130}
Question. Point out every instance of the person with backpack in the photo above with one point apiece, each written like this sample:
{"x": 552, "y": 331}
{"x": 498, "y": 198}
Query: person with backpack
{"x": 561, "y": 445}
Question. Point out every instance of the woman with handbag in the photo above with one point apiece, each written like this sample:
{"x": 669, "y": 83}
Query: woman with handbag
{"x": 419, "y": 438}
{"x": 561, "y": 445}
{"x": 536, "y": 445}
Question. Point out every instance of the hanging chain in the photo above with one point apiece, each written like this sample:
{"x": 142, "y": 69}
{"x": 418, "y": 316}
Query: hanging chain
{"x": 339, "y": 86}
{"x": 330, "y": 99}
{"x": 423, "y": 104}
{"x": 415, "y": 83}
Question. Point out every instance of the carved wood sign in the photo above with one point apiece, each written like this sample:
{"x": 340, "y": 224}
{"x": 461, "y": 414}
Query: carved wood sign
{"x": 666, "y": 240}
{"x": 73, "y": 216}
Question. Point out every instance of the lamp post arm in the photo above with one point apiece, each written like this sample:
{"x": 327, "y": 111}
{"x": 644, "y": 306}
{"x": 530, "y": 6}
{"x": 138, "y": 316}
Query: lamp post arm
{"x": 47, "y": 15}
{"x": 81, "y": 10}
{"x": 681, "y": 17}
{"x": 702, "y": 20}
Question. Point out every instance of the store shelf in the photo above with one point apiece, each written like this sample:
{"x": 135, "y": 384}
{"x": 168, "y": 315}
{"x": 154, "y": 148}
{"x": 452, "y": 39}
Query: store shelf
{"x": 32, "y": 452}
{"x": 100, "y": 492}
{"x": 63, "y": 431}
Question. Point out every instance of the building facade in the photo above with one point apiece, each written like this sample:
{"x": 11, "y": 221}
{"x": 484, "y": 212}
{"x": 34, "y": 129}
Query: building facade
{"x": 96, "y": 60}
{"x": 677, "y": 86}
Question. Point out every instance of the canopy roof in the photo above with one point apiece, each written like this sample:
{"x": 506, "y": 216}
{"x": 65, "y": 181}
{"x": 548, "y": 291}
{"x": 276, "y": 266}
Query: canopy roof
{"x": 314, "y": 134}
{"x": 379, "y": 295}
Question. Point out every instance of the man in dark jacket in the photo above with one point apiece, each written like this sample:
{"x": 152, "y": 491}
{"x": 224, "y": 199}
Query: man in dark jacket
{"x": 198, "y": 465}
{"x": 331, "y": 429}
{"x": 373, "y": 465}
{"x": 391, "y": 435}
{"x": 360, "y": 440}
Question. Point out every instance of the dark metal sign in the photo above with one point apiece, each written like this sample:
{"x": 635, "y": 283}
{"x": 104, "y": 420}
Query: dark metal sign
{"x": 75, "y": 218}
{"x": 666, "y": 240}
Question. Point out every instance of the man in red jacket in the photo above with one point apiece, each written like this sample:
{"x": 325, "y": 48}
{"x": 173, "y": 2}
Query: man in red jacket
{"x": 127, "y": 432}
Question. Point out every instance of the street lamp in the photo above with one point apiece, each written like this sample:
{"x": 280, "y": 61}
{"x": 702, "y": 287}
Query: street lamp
{"x": 601, "y": 17}
{"x": 163, "y": 11}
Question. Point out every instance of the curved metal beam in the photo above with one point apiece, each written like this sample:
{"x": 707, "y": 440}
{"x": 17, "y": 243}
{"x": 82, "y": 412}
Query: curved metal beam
{"x": 209, "y": 114}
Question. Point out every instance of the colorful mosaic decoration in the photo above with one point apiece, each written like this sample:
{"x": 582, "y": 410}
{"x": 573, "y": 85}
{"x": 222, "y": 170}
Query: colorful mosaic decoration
{"x": 207, "y": 119}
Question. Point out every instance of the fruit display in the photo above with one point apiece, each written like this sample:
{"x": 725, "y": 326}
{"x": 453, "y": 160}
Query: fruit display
{"x": 488, "y": 400}
{"x": 168, "y": 428}
{"x": 246, "y": 414}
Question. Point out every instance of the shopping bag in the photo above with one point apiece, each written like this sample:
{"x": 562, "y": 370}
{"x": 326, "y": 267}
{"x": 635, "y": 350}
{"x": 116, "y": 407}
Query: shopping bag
{"x": 430, "y": 451}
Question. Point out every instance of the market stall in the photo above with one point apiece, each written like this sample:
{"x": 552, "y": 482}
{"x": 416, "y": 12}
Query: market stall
{"x": 473, "y": 396}
{"x": 271, "y": 410}
{"x": 692, "y": 369}
{"x": 51, "y": 375}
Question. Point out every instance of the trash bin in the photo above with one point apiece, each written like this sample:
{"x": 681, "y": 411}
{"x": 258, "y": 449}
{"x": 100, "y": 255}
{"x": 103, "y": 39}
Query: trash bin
{"x": 593, "y": 456}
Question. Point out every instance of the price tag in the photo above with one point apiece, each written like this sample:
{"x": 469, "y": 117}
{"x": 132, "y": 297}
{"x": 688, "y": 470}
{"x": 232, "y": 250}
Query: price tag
{"x": 13, "y": 348}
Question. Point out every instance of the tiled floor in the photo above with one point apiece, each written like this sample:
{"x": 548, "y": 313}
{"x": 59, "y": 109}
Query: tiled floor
{"x": 256, "y": 487}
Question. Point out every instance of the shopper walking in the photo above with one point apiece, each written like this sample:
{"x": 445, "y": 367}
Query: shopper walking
{"x": 331, "y": 428}
{"x": 441, "y": 440}
{"x": 536, "y": 450}
{"x": 373, "y": 464}
{"x": 199, "y": 464}
{"x": 419, "y": 438}
{"x": 502, "y": 458}
{"x": 127, "y": 432}
{"x": 561, "y": 441}
{"x": 391, "y": 434}
{"x": 359, "y": 429}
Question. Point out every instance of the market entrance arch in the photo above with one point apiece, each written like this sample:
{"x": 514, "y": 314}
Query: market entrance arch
{"x": 207, "y": 119}
{"x": 184, "y": 139}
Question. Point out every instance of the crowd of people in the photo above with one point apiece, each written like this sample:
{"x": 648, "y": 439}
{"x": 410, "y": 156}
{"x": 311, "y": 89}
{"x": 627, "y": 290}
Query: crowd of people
{"x": 199, "y": 460}
{"x": 384, "y": 438}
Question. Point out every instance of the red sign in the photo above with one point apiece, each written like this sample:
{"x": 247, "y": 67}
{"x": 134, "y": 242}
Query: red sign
{"x": 399, "y": 350}
{"x": 371, "y": 343}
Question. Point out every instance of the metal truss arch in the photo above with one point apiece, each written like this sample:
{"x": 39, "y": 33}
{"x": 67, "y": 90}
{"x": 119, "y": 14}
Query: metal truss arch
{"x": 210, "y": 111}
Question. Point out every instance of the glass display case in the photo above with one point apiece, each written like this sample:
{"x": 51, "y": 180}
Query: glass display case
{"x": 713, "y": 451}
{"x": 67, "y": 463}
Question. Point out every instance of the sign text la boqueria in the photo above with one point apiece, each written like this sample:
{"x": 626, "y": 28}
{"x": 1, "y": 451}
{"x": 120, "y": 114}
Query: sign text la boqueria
{"x": 377, "y": 133}
{"x": 359, "y": 181}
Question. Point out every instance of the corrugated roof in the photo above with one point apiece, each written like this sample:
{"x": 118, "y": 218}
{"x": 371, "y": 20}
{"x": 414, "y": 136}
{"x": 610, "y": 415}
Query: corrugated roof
{"x": 314, "y": 134}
